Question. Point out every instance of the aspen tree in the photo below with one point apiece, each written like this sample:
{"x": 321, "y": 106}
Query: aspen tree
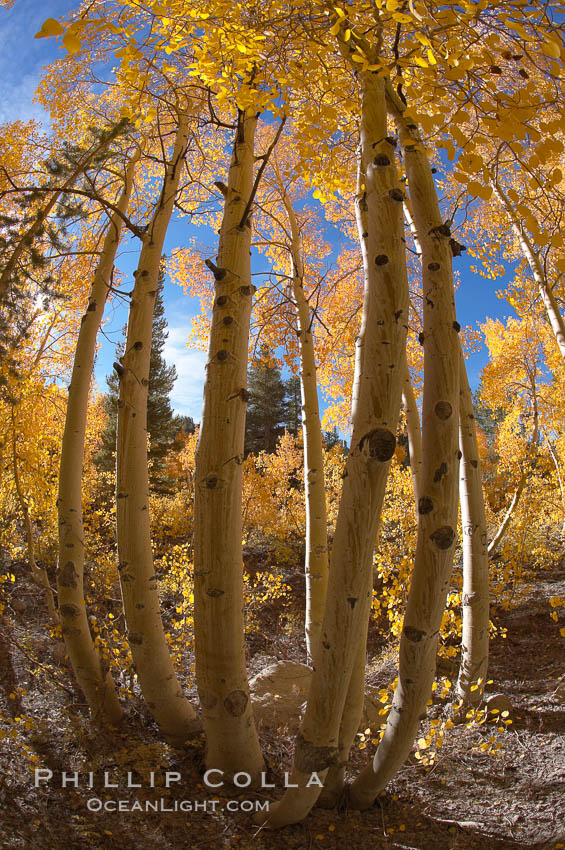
{"x": 437, "y": 506}
{"x": 232, "y": 742}
{"x": 503, "y": 527}
{"x": 38, "y": 574}
{"x": 316, "y": 563}
{"x": 413, "y": 426}
{"x": 475, "y": 600}
{"x": 414, "y": 432}
{"x": 475, "y": 597}
{"x": 538, "y": 273}
{"x": 149, "y": 649}
{"x": 96, "y": 684}
{"x": 375, "y": 411}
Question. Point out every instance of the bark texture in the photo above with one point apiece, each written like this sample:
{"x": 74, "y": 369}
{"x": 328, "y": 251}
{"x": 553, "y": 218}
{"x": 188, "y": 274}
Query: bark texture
{"x": 94, "y": 681}
{"x": 316, "y": 563}
{"x": 475, "y": 601}
{"x": 149, "y": 648}
{"x": 414, "y": 433}
{"x": 218, "y": 568}
{"x": 437, "y": 507}
{"x": 375, "y": 411}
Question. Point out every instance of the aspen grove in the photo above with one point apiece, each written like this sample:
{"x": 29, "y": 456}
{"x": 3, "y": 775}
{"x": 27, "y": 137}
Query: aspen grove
{"x": 359, "y": 165}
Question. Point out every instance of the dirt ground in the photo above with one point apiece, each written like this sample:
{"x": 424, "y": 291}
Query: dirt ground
{"x": 470, "y": 798}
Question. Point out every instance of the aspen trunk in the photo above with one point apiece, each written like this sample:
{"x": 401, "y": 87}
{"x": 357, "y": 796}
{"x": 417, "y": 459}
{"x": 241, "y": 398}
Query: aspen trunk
{"x": 157, "y": 678}
{"x": 557, "y": 465}
{"x": 503, "y": 527}
{"x": 437, "y": 506}
{"x": 532, "y": 258}
{"x": 95, "y": 682}
{"x": 414, "y": 433}
{"x": 316, "y": 562}
{"x": 475, "y": 601}
{"x": 375, "y": 411}
{"x": 218, "y": 567}
{"x": 38, "y": 574}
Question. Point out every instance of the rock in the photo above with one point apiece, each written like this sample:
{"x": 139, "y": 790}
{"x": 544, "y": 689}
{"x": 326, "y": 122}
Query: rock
{"x": 498, "y": 701}
{"x": 279, "y": 692}
{"x": 559, "y": 693}
{"x": 282, "y": 677}
{"x": 19, "y": 605}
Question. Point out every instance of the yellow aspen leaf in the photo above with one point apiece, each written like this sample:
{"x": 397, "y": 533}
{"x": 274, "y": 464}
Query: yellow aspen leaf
{"x": 48, "y": 28}
{"x": 431, "y": 58}
{"x": 552, "y": 48}
{"x": 419, "y": 60}
{"x": 423, "y": 39}
{"x": 71, "y": 42}
{"x": 422, "y": 743}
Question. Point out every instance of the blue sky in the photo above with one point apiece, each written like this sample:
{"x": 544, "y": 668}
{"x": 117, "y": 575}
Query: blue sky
{"x": 21, "y": 60}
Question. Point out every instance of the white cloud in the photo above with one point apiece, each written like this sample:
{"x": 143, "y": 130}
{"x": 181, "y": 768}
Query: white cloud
{"x": 186, "y": 397}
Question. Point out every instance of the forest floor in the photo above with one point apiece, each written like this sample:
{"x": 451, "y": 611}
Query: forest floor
{"x": 509, "y": 794}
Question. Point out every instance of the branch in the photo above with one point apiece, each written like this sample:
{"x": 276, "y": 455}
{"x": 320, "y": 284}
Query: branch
{"x": 265, "y": 158}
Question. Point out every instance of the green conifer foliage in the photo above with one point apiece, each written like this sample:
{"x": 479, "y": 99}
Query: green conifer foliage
{"x": 266, "y": 407}
{"x": 162, "y": 424}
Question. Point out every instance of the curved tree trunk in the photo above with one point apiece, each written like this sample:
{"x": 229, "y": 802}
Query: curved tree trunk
{"x": 95, "y": 682}
{"x": 149, "y": 648}
{"x": 414, "y": 433}
{"x": 316, "y": 563}
{"x": 218, "y": 568}
{"x": 375, "y": 411}
{"x": 475, "y": 601}
{"x": 437, "y": 506}
{"x": 556, "y": 320}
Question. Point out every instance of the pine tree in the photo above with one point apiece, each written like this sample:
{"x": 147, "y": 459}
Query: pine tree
{"x": 162, "y": 425}
{"x": 293, "y": 405}
{"x": 266, "y": 407}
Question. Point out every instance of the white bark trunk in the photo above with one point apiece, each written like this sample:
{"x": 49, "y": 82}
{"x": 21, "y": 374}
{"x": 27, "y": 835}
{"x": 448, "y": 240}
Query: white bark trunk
{"x": 414, "y": 433}
{"x": 375, "y": 411}
{"x": 437, "y": 505}
{"x": 316, "y": 562}
{"x": 157, "y": 678}
{"x": 475, "y": 599}
{"x": 218, "y": 568}
{"x": 95, "y": 682}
